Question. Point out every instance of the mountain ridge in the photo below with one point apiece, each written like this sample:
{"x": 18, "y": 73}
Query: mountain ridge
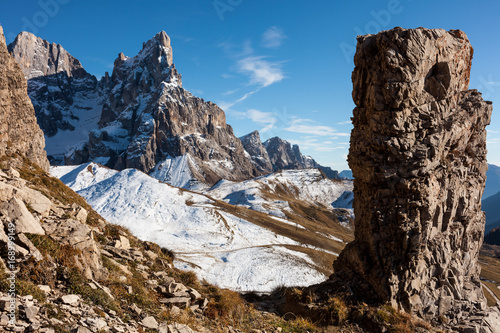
{"x": 141, "y": 117}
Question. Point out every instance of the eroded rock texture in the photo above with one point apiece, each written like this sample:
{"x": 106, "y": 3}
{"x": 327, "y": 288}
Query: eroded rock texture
{"x": 418, "y": 155}
{"x": 19, "y": 131}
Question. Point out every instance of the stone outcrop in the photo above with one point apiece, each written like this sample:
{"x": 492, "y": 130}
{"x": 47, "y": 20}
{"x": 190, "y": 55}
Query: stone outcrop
{"x": 63, "y": 94}
{"x": 418, "y": 156}
{"x": 19, "y": 131}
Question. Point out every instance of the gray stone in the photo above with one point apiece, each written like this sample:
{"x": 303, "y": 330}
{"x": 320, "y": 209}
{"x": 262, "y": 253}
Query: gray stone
{"x": 182, "y": 302}
{"x": 29, "y": 245}
{"x": 150, "y": 322}
{"x": 31, "y": 311}
{"x": 46, "y": 289}
{"x": 72, "y": 300}
{"x": 195, "y": 295}
{"x": 16, "y": 210}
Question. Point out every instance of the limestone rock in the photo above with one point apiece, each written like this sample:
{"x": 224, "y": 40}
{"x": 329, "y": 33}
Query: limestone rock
{"x": 150, "y": 322}
{"x": 17, "y": 212}
{"x": 19, "y": 131}
{"x": 148, "y": 117}
{"x": 418, "y": 156}
{"x": 70, "y": 299}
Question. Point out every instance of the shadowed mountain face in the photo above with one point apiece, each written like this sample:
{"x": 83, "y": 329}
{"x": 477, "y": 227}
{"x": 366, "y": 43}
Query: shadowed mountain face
{"x": 491, "y": 207}
{"x": 418, "y": 157}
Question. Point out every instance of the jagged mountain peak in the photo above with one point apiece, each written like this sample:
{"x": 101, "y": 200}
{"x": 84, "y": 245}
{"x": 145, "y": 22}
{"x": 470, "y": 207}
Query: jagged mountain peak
{"x": 38, "y": 57}
{"x": 254, "y": 147}
{"x": 153, "y": 65}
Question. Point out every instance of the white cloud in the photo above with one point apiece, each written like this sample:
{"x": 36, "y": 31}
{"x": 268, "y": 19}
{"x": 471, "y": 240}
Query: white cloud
{"x": 273, "y": 38}
{"x": 237, "y": 50}
{"x": 266, "y": 119}
{"x": 348, "y": 122}
{"x": 314, "y": 144}
{"x": 308, "y": 126}
{"x": 262, "y": 72}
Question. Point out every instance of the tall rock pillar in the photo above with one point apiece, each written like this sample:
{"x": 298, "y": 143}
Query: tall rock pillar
{"x": 418, "y": 155}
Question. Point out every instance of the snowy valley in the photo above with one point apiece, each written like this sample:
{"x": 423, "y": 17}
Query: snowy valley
{"x": 255, "y": 235}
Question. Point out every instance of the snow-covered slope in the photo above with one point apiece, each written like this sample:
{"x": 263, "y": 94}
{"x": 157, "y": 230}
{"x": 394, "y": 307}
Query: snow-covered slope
{"x": 227, "y": 245}
{"x": 308, "y": 185}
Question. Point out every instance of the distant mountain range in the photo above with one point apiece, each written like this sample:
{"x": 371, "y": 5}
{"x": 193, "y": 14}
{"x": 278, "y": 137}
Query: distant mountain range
{"x": 141, "y": 117}
{"x": 491, "y": 198}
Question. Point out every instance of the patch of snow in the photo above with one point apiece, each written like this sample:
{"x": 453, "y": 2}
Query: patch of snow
{"x": 174, "y": 171}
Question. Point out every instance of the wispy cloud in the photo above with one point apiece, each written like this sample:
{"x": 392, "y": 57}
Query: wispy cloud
{"x": 265, "y": 119}
{"x": 317, "y": 145}
{"x": 308, "y": 126}
{"x": 273, "y": 38}
{"x": 347, "y": 122}
{"x": 227, "y": 105}
{"x": 237, "y": 50}
{"x": 261, "y": 71}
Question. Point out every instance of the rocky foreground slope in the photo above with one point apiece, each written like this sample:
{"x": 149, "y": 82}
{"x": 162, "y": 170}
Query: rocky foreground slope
{"x": 418, "y": 155}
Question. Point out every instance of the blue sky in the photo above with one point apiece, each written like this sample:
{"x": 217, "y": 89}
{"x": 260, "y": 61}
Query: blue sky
{"x": 282, "y": 67}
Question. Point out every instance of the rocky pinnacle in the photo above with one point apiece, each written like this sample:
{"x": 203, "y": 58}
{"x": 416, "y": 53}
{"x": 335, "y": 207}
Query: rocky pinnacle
{"x": 418, "y": 155}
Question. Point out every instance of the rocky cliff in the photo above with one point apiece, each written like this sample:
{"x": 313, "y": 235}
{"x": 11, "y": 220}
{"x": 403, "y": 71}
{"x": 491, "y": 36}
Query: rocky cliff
{"x": 283, "y": 155}
{"x": 19, "y": 131}
{"x": 418, "y": 156}
{"x": 257, "y": 151}
{"x": 66, "y": 98}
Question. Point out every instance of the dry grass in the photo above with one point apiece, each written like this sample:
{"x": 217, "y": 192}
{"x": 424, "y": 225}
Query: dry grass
{"x": 490, "y": 274}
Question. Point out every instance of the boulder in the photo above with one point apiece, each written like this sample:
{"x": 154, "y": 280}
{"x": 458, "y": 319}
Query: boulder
{"x": 17, "y": 212}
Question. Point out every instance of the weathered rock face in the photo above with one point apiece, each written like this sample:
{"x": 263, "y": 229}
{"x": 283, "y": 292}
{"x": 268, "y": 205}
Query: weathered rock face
{"x": 63, "y": 94}
{"x": 254, "y": 147}
{"x": 19, "y": 131}
{"x": 418, "y": 156}
{"x": 285, "y": 156}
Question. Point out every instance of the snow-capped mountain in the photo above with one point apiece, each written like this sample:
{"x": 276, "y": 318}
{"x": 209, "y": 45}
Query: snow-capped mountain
{"x": 139, "y": 117}
{"x": 228, "y": 241}
{"x": 278, "y": 154}
{"x": 264, "y": 193}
